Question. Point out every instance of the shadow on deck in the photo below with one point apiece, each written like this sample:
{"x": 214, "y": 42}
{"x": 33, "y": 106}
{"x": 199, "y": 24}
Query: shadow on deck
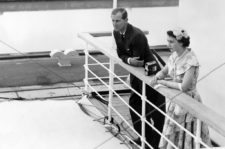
{"x": 101, "y": 105}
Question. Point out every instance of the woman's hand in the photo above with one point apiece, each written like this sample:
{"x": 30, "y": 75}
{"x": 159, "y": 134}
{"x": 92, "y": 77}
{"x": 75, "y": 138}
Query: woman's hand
{"x": 153, "y": 81}
{"x": 163, "y": 82}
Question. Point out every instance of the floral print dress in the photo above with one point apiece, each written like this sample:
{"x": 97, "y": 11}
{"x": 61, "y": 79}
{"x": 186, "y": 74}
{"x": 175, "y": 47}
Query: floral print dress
{"x": 177, "y": 66}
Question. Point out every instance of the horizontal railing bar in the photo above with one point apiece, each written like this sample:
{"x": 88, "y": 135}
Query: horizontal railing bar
{"x": 107, "y": 33}
{"x": 107, "y": 77}
{"x": 94, "y": 64}
{"x": 213, "y": 119}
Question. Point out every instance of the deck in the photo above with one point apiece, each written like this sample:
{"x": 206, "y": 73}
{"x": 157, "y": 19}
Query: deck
{"x": 48, "y": 117}
{"x": 44, "y": 71}
{"x": 102, "y": 107}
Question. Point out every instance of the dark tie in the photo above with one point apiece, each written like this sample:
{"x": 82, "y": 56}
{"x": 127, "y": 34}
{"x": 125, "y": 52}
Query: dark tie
{"x": 122, "y": 37}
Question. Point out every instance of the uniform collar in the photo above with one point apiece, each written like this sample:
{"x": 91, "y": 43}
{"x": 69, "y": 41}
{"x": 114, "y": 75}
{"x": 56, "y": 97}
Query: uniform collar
{"x": 123, "y": 33}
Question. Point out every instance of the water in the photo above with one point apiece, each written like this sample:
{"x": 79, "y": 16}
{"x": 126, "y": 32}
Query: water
{"x": 30, "y": 31}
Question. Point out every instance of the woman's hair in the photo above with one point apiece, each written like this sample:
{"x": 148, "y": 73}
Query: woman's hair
{"x": 180, "y": 35}
{"x": 122, "y": 11}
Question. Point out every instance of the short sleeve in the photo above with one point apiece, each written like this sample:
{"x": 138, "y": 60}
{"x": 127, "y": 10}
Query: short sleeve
{"x": 192, "y": 60}
{"x": 187, "y": 62}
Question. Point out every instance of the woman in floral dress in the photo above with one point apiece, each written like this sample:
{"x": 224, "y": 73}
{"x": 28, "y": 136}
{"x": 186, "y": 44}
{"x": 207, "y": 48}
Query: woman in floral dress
{"x": 183, "y": 68}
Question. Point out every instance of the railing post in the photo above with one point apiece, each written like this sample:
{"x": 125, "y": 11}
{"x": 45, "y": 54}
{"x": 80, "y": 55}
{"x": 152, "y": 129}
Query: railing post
{"x": 114, "y": 3}
{"x": 86, "y": 66}
{"x": 198, "y": 134}
{"x": 143, "y": 115}
{"x": 111, "y": 82}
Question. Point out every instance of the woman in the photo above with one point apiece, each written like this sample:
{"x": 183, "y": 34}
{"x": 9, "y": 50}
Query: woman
{"x": 183, "y": 68}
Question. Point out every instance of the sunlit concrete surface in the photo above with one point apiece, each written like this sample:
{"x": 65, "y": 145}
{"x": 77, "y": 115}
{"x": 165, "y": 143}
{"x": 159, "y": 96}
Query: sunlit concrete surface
{"x": 51, "y": 125}
{"x": 49, "y": 117}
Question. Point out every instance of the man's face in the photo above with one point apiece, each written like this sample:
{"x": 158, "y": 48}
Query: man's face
{"x": 119, "y": 24}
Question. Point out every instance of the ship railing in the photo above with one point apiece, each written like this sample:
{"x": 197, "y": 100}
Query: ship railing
{"x": 197, "y": 109}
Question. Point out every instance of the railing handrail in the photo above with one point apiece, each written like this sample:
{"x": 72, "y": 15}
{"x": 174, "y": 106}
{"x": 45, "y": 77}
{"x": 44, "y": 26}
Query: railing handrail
{"x": 106, "y": 33}
{"x": 213, "y": 119}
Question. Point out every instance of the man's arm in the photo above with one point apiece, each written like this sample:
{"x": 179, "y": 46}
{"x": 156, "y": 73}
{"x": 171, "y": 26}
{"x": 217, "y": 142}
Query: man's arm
{"x": 123, "y": 54}
{"x": 120, "y": 48}
{"x": 133, "y": 56}
{"x": 141, "y": 48}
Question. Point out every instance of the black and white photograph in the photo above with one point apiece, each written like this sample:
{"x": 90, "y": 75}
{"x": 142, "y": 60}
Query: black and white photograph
{"x": 112, "y": 74}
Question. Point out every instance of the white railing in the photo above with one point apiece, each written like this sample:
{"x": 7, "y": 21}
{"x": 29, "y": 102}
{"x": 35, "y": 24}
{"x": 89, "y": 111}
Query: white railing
{"x": 197, "y": 109}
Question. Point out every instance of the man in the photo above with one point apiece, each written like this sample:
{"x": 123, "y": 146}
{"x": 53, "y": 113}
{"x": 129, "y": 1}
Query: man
{"x": 133, "y": 49}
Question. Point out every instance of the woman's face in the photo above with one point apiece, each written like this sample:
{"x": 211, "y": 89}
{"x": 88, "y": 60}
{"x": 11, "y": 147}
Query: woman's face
{"x": 173, "y": 44}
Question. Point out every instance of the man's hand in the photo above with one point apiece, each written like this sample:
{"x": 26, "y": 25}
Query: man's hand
{"x": 135, "y": 62}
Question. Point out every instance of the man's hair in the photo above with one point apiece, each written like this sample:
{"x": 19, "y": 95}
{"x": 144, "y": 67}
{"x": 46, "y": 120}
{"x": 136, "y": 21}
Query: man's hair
{"x": 122, "y": 11}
